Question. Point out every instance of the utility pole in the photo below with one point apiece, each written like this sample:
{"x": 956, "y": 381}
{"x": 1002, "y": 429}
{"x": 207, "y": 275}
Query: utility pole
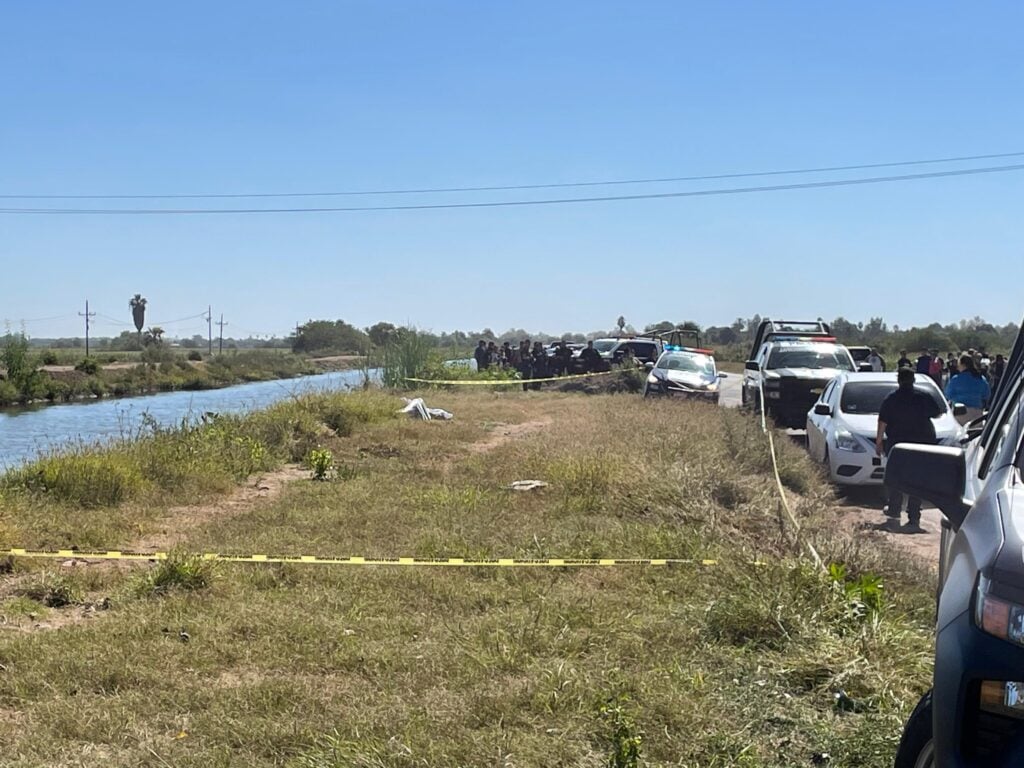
{"x": 209, "y": 329}
{"x": 87, "y": 314}
{"x": 220, "y": 348}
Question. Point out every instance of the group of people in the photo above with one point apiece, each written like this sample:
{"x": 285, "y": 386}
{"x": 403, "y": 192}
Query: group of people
{"x": 968, "y": 378}
{"x": 906, "y": 415}
{"x": 532, "y": 361}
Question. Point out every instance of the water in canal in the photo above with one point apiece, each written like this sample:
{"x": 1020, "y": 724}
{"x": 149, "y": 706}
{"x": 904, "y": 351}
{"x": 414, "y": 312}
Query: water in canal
{"x": 26, "y": 432}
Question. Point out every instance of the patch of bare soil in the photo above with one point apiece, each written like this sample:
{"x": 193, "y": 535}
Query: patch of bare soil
{"x": 862, "y": 517}
{"x": 180, "y": 520}
{"x": 504, "y": 433}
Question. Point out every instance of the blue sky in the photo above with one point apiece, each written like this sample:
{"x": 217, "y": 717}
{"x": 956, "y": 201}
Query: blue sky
{"x": 226, "y": 97}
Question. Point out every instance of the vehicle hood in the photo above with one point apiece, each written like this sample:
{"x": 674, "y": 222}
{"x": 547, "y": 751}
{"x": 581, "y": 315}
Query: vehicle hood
{"x": 810, "y": 374}
{"x": 686, "y": 378}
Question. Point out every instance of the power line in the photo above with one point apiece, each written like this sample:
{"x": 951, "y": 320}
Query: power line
{"x": 508, "y": 187}
{"x": 512, "y": 203}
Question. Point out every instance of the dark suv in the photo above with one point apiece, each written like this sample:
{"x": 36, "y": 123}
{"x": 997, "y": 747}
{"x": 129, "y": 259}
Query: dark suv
{"x": 974, "y": 714}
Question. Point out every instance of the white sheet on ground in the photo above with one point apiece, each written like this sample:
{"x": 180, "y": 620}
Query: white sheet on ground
{"x": 418, "y": 409}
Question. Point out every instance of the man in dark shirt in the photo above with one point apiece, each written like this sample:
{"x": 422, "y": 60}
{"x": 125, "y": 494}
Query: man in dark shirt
{"x": 905, "y": 417}
{"x": 904, "y": 361}
{"x": 482, "y": 356}
{"x": 590, "y": 358}
{"x": 924, "y": 362}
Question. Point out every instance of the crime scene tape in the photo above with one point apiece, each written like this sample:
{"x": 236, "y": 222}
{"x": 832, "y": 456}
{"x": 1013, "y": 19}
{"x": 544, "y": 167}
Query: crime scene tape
{"x": 784, "y": 501}
{"x": 457, "y": 562}
{"x": 508, "y": 382}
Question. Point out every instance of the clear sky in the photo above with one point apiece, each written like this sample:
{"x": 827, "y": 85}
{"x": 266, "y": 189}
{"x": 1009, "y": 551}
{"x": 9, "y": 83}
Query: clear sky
{"x": 243, "y": 97}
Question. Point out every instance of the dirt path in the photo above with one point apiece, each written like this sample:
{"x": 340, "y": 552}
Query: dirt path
{"x": 504, "y": 433}
{"x": 860, "y": 515}
{"x": 179, "y": 521}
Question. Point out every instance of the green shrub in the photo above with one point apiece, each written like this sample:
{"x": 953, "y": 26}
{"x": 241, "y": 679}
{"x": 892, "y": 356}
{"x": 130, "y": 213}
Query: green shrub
{"x": 9, "y": 394}
{"x": 88, "y": 366}
{"x": 321, "y": 463}
{"x": 88, "y": 480}
{"x": 49, "y": 357}
{"x": 180, "y": 571}
{"x": 53, "y": 590}
{"x": 195, "y": 355}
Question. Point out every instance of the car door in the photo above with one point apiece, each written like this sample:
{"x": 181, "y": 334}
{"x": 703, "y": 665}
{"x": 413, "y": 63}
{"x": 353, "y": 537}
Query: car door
{"x": 817, "y": 425}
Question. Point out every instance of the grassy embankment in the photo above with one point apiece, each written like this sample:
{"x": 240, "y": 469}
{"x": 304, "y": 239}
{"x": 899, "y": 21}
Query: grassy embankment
{"x": 731, "y": 665}
{"x": 164, "y": 372}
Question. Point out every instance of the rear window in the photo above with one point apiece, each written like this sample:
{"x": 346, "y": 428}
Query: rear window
{"x": 865, "y": 397}
{"x": 643, "y": 349}
{"x": 604, "y": 346}
{"x": 814, "y": 356}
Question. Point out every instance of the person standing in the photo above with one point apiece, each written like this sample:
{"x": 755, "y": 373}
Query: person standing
{"x": 482, "y": 356}
{"x": 924, "y": 363}
{"x": 935, "y": 368}
{"x": 904, "y": 361}
{"x": 540, "y": 362}
{"x": 875, "y": 359}
{"x": 563, "y": 356}
{"x": 525, "y": 366}
{"x": 590, "y": 358}
{"x": 905, "y": 417}
{"x": 998, "y": 369}
{"x": 969, "y": 388}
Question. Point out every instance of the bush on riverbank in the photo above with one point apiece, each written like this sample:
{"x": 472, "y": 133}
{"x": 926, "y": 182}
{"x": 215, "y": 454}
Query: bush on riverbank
{"x": 195, "y": 457}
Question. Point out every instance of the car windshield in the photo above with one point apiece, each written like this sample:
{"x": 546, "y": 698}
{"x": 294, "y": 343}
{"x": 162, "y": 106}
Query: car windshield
{"x": 865, "y": 397}
{"x": 605, "y": 346}
{"x": 688, "y": 362}
{"x": 810, "y": 356}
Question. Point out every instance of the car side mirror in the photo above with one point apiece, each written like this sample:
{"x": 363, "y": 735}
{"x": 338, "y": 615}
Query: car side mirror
{"x": 864, "y": 367}
{"x": 723, "y": 375}
{"x": 959, "y": 409}
{"x": 751, "y": 365}
{"x": 934, "y": 473}
{"x": 649, "y": 366}
{"x": 822, "y": 410}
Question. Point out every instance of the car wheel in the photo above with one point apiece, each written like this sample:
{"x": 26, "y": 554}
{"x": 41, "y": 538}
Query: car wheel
{"x": 743, "y": 396}
{"x": 917, "y": 747}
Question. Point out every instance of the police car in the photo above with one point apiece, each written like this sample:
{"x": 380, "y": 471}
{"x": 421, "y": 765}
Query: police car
{"x": 688, "y": 372}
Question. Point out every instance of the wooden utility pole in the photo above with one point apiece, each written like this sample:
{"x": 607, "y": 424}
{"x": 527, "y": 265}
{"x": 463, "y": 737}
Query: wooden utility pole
{"x": 87, "y": 315}
{"x": 220, "y": 348}
{"x": 209, "y": 329}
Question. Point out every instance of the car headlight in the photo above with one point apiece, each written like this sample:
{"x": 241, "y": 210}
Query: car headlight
{"x": 652, "y": 379}
{"x": 845, "y": 441}
{"x": 1002, "y": 618}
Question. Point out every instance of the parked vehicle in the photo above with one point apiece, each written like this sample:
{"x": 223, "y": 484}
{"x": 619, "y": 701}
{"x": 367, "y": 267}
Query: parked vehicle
{"x": 842, "y": 425}
{"x": 793, "y": 362}
{"x": 684, "y": 372}
{"x": 644, "y": 349}
{"x": 974, "y": 714}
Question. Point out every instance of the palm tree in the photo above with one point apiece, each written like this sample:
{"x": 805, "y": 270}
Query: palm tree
{"x": 621, "y": 322}
{"x": 154, "y": 335}
{"x": 138, "y": 308}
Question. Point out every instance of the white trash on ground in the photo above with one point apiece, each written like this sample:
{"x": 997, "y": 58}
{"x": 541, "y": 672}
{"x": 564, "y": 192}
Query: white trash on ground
{"x": 418, "y": 409}
{"x": 527, "y": 485}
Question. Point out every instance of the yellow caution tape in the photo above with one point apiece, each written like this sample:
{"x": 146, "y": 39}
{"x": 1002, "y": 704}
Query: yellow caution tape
{"x": 508, "y": 382}
{"x": 502, "y": 562}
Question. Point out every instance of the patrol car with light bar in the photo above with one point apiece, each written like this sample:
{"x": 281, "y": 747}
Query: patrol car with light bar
{"x": 681, "y": 371}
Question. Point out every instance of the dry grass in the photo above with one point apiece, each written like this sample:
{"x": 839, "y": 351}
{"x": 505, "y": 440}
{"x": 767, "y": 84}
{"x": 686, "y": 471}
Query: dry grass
{"x": 322, "y": 667}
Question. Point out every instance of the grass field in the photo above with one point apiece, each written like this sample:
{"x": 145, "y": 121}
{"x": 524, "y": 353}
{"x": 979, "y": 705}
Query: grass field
{"x": 184, "y": 664}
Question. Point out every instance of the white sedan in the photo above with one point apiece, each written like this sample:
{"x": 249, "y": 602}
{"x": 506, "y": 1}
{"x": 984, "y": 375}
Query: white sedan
{"x": 841, "y": 426}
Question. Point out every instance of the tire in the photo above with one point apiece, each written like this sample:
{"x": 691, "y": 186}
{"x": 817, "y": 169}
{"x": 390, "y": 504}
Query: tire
{"x": 743, "y": 395}
{"x": 917, "y": 747}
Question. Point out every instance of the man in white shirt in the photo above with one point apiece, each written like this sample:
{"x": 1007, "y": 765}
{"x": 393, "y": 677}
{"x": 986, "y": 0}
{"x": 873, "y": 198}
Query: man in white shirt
{"x": 877, "y": 364}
